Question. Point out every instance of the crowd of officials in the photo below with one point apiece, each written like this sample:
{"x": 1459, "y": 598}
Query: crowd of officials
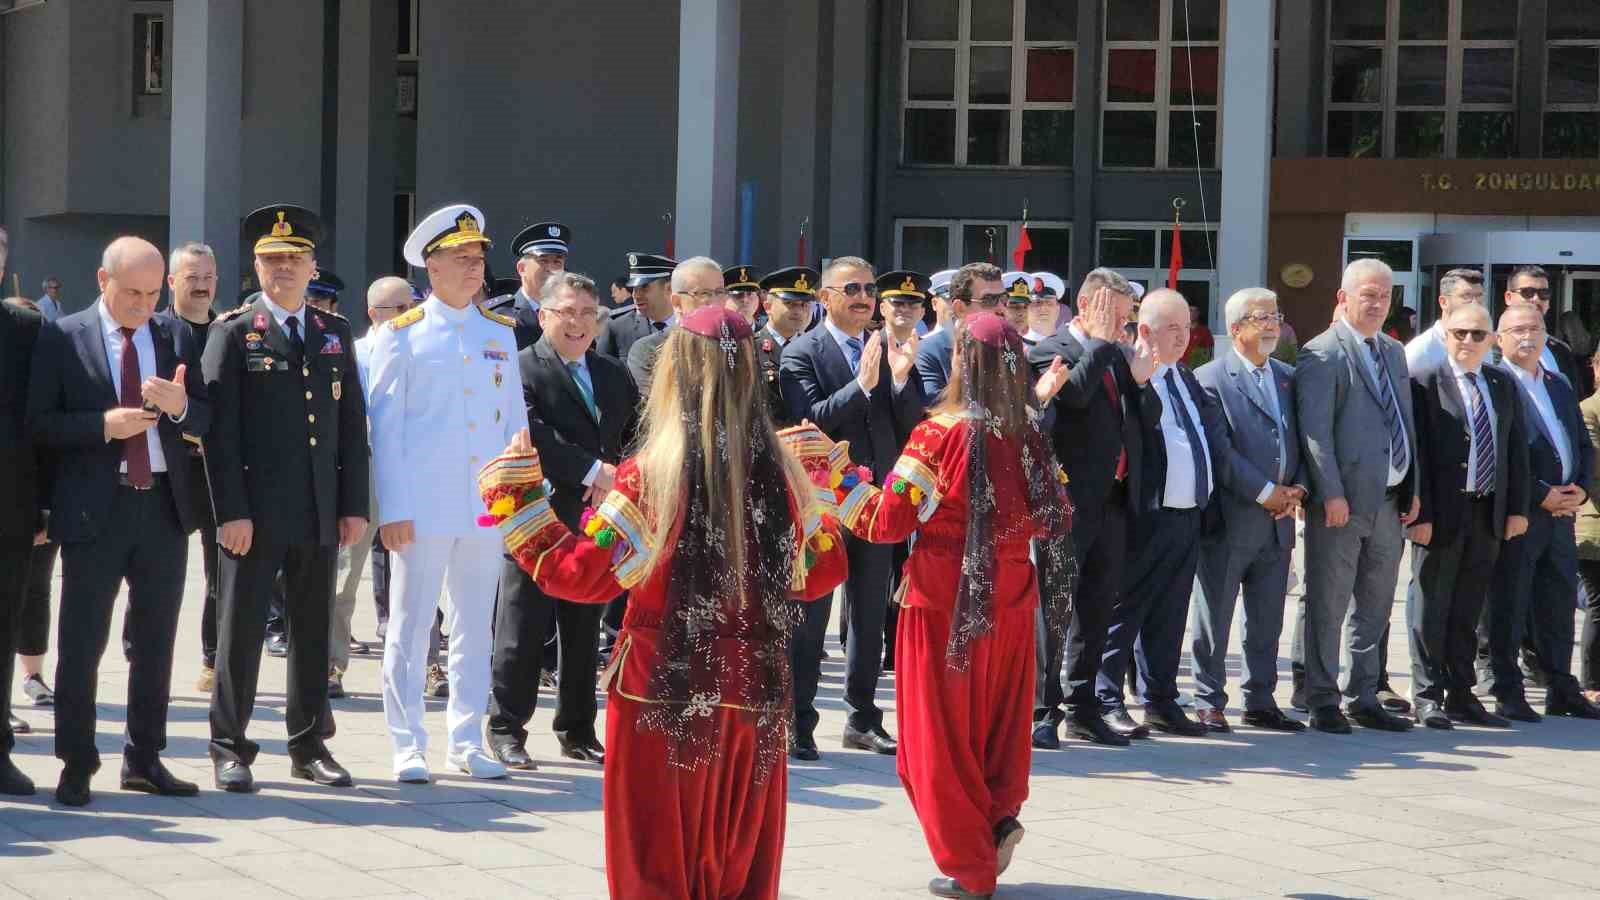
{"x": 1023, "y": 502}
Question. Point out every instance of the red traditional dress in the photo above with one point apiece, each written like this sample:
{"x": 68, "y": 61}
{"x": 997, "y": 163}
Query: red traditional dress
{"x": 681, "y": 821}
{"x": 964, "y": 723}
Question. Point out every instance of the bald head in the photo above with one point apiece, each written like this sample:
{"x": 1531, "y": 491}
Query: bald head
{"x": 388, "y": 297}
{"x": 128, "y": 253}
{"x": 1467, "y": 335}
{"x": 1162, "y": 305}
{"x": 132, "y": 274}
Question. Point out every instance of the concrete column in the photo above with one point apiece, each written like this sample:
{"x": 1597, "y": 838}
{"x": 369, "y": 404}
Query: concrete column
{"x": 365, "y": 179}
{"x": 1085, "y": 146}
{"x": 853, "y": 127}
{"x": 207, "y": 68}
{"x": 798, "y": 150}
{"x": 1532, "y": 54}
{"x": 708, "y": 128}
{"x": 1246, "y": 145}
{"x": 1302, "y": 39}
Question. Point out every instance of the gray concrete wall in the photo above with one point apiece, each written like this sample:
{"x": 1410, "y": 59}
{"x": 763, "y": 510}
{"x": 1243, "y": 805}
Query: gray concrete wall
{"x": 34, "y": 82}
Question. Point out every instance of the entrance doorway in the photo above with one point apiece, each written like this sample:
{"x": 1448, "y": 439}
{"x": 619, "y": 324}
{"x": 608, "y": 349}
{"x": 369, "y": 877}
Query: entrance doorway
{"x": 1572, "y": 258}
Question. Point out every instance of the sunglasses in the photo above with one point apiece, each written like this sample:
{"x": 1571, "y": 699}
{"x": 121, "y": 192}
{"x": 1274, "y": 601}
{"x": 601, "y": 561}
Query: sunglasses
{"x": 987, "y": 301}
{"x": 856, "y": 288}
{"x": 905, "y": 301}
{"x": 1528, "y": 293}
{"x": 1475, "y": 335}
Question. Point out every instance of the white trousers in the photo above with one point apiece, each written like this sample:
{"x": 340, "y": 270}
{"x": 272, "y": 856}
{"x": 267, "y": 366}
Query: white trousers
{"x": 471, "y": 566}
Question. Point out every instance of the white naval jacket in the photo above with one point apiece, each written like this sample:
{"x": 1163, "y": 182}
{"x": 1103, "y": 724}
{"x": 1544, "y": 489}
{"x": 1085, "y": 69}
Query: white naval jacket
{"x": 444, "y": 396}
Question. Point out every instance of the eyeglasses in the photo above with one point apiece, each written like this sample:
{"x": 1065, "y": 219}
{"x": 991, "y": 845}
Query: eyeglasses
{"x": 1475, "y": 335}
{"x": 1522, "y": 331}
{"x": 706, "y": 295}
{"x": 573, "y": 313}
{"x": 390, "y": 307}
{"x": 905, "y": 301}
{"x": 1529, "y": 293}
{"x": 987, "y": 301}
{"x": 1264, "y": 318}
{"x": 856, "y": 288}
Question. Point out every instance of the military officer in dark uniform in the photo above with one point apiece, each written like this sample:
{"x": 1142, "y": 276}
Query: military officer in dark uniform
{"x": 287, "y": 459}
{"x": 648, "y": 275}
{"x": 323, "y": 291}
{"x": 541, "y": 250}
{"x": 790, "y": 293}
{"x": 21, "y": 491}
{"x": 744, "y": 294}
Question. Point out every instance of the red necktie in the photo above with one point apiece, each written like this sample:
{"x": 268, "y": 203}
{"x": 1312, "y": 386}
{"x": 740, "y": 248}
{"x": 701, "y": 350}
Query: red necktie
{"x": 136, "y": 449}
{"x": 1116, "y": 404}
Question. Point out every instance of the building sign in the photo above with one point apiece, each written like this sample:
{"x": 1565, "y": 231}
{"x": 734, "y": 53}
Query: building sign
{"x": 1513, "y": 180}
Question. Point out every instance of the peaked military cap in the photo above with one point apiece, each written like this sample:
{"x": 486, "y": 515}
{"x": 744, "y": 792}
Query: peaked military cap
{"x": 452, "y": 226}
{"x": 793, "y": 283}
{"x": 902, "y": 283}
{"x": 644, "y": 268}
{"x": 283, "y": 228}
{"x": 325, "y": 283}
{"x": 739, "y": 278}
{"x": 543, "y": 237}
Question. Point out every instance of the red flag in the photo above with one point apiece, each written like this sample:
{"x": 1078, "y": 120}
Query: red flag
{"x": 1177, "y": 257}
{"x": 1022, "y": 248}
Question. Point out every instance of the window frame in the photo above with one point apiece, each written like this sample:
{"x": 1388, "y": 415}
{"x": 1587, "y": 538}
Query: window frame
{"x": 1546, "y": 107}
{"x": 1155, "y": 275}
{"x": 1388, "y": 105}
{"x": 1162, "y": 105}
{"x": 410, "y": 54}
{"x": 955, "y": 231}
{"x": 962, "y": 48}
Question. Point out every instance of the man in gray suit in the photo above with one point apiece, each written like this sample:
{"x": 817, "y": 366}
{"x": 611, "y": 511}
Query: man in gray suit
{"x": 1253, "y": 546}
{"x": 1354, "y": 404}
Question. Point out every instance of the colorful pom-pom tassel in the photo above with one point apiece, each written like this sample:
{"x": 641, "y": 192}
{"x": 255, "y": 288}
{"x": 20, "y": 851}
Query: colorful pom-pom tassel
{"x": 899, "y": 486}
{"x": 593, "y": 526}
{"x": 487, "y": 521}
{"x": 504, "y": 506}
{"x": 533, "y": 494}
{"x": 811, "y": 559}
{"x": 583, "y": 520}
{"x": 605, "y": 538}
{"x": 916, "y": 495}
{"x": 834, "y": 479}
{"x": 824, "y": 543}
{"x": 821, "y": 478}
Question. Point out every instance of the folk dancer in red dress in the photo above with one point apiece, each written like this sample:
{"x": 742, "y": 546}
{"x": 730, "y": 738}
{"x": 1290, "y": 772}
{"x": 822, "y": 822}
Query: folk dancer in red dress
{"x": 975, "y": 483}
{"x": 717, "y": 532}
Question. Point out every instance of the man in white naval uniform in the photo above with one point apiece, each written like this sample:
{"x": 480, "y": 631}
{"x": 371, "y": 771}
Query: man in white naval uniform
{"x": 445, "y": 397}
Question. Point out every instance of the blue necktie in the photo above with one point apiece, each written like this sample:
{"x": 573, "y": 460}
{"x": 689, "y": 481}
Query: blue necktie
{"x": 852, "y": 348}
{"x": 1398, "y": 457}
{"x": 1262, "y": 387}
{"x": 576, "y": 371}
{"x": 1202, "y": 466}
{"x": 1482, "y": 437}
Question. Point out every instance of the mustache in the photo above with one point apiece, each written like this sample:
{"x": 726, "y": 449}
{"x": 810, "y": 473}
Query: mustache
{"x": 1526, "y": 345}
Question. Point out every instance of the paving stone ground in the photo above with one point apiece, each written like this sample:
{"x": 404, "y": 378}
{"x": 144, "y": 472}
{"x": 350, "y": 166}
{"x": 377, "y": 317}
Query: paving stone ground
{"x": 1463, "y": 814}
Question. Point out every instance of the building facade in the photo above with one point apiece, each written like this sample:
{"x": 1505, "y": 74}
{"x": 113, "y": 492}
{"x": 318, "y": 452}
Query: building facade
{"x": 1283, "y": 138}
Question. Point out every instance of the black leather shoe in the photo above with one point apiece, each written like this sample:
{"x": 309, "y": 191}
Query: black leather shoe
{"x": 1462, "y": 706}
{"x": 1392, "y": 701}
{"x": 1172, "y": 720}
{"x": 1272, "y": 720}
{"x": 1297, "y": 699}
{"x": 1573, "y": 705}
{"x": 1096, "y": 730}
{"x": 153, "y": 778}
{"x": 876, "y": 740}
{"x": 1329, "y": 720}
{"x": 12, "y": 782}
{"x": 322, "y": 770}
{"x": 803, "y": 747}
{"x": 584, "y": 750}
{"x": 1123, "y": 724}
{"x": 949, "y": 887}
{"x": 1516, "y": 708}
{"x": 1045, "y": 737}
{"x": 73, "y": 789}
{"x": 513, "y": 755}
{"x": 233, "y": 776}
{"x": 17, "y": 725}
{"x": 1428, "y": 712}
{"x": 1378, "y": 718}
{"x": 1007, "y": 835}
{"x": 278, "y": 645}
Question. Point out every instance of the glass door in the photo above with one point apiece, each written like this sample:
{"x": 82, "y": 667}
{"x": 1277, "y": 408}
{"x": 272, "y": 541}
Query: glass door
{"x": 1580, "y": 294}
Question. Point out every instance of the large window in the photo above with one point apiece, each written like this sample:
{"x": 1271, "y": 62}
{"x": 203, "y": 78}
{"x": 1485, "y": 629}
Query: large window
{"x": 1142, "y": 251}
{"x": 988, "y": 82}
{"x": 1161, "y": 89}
{"x": 1572, "y": 80}
{"x": 932, "y": 245}
{"x": 1422, "y": 78}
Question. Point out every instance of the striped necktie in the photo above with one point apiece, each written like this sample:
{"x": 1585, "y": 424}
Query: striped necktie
{"x": 1482, "y": 437}
{"x": 1398, "y": 458}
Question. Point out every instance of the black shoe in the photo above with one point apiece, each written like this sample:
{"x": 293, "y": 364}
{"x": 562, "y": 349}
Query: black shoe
{"x": 73, "y": 789}
{"x": 323, "y": 770}
{"x": 1330, "y": 720}
{"x": 1045, "y": 737}
{"x": 803, "y": 747}
{"x": 1572, "y": 705}
{"x": 1272, "y": 720}
{"x": 1007, "y": 835}
{"x": 875, "y": 739}
{"x": 1095, "y": 729}
{"x": 153, "y": 778}
{"x": 1428, "y": 712}
{"x": 1392, "y": 701}
{"x": 583, "y": 750}
{"x": 1461, "y": 706}
{"x": 1516, "y": 708}
{"x": 12, "y": 782}
{"x": 949, "y": 887}
{"x": 1297, "y": 699}
{"x": 18, "y": 726}
{"x": 1378, "y": 718}
{"x": 1172, "y": 720}
{"x": 233, "y": 776}
{"x": 513, "y": 754}
{"x": 1119, "y": 721}
{"x": 1532, "y": 672}
{"x": 278, "y": 645}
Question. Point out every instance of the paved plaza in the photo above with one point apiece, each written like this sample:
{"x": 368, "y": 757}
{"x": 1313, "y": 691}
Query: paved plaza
{"x": 1464, "y": 814}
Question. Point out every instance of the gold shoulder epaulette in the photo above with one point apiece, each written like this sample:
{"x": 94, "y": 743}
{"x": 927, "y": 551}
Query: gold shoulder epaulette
{"x": 340, "y": 316}
{"x": 232, "y": 313}
{"x": 493, "y": 316}
{"x": 406, "y": 319}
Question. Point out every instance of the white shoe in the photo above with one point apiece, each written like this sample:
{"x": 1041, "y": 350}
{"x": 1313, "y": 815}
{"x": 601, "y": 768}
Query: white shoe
{"x": 478, "y": 764}
{"x": 412, "y": 769}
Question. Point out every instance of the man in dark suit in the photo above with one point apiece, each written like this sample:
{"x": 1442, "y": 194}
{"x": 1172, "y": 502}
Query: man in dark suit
{"x": 854, "y": 389}
{"x": 1099, "y": 416}
{"x": 790, "y": 294}
{"x": 21, "y": 521}
{"x": 974, "y": 287}
{"x": 109, "y": 394}
{"x": 695, "y": 282}
{"x": 541, "y": 251}
{"x": 582, "y": 414}
{"x": 1536, "y": 576}
{"x": 1472, "y": 454}
{"x": 1252, "y": 547}
{"x": 648, "y": 275}
{"x": 288, "y": 461}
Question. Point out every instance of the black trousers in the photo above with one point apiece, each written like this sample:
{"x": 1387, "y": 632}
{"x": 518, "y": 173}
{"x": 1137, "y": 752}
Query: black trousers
{"x": 14, "y": 555}
{"x": 891, "y": 613}
{"x": 141, "y": 543}
{"x": 200, "y": 504}
{"x": 1449, "y": 585}
{"x": 805, "y": 658}
{"x": 1148, "y": 619}
{"x": 246, "y": 585}
{"x": 1589, "y": 575}
{"x": 1101, "y": 546}
{"x": 866, "y": 598}
{"x": 522, "y": 617}
{"x": 33, "y": 620}
{"x": 1531, "y": 601}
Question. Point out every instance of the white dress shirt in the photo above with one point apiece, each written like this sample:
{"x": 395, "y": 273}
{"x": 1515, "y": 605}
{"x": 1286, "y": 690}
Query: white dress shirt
{"x": 1426, "y": 349}
{"x": 839, "y": 337}
{"x": 1182, "y": 488}
{"x": 1395, "y": 475}
{"x": 282, "y": 316}
{"x": 1533, "y": 383}
{"x": 145, "y": 346}
{"x": 49, "y": 308}
{"x": 1471, "y": 398}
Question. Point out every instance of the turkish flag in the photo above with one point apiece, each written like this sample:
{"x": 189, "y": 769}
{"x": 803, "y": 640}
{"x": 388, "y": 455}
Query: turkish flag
{"x": 1022, "y": 248}
{"x": 1177, "y": 257}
